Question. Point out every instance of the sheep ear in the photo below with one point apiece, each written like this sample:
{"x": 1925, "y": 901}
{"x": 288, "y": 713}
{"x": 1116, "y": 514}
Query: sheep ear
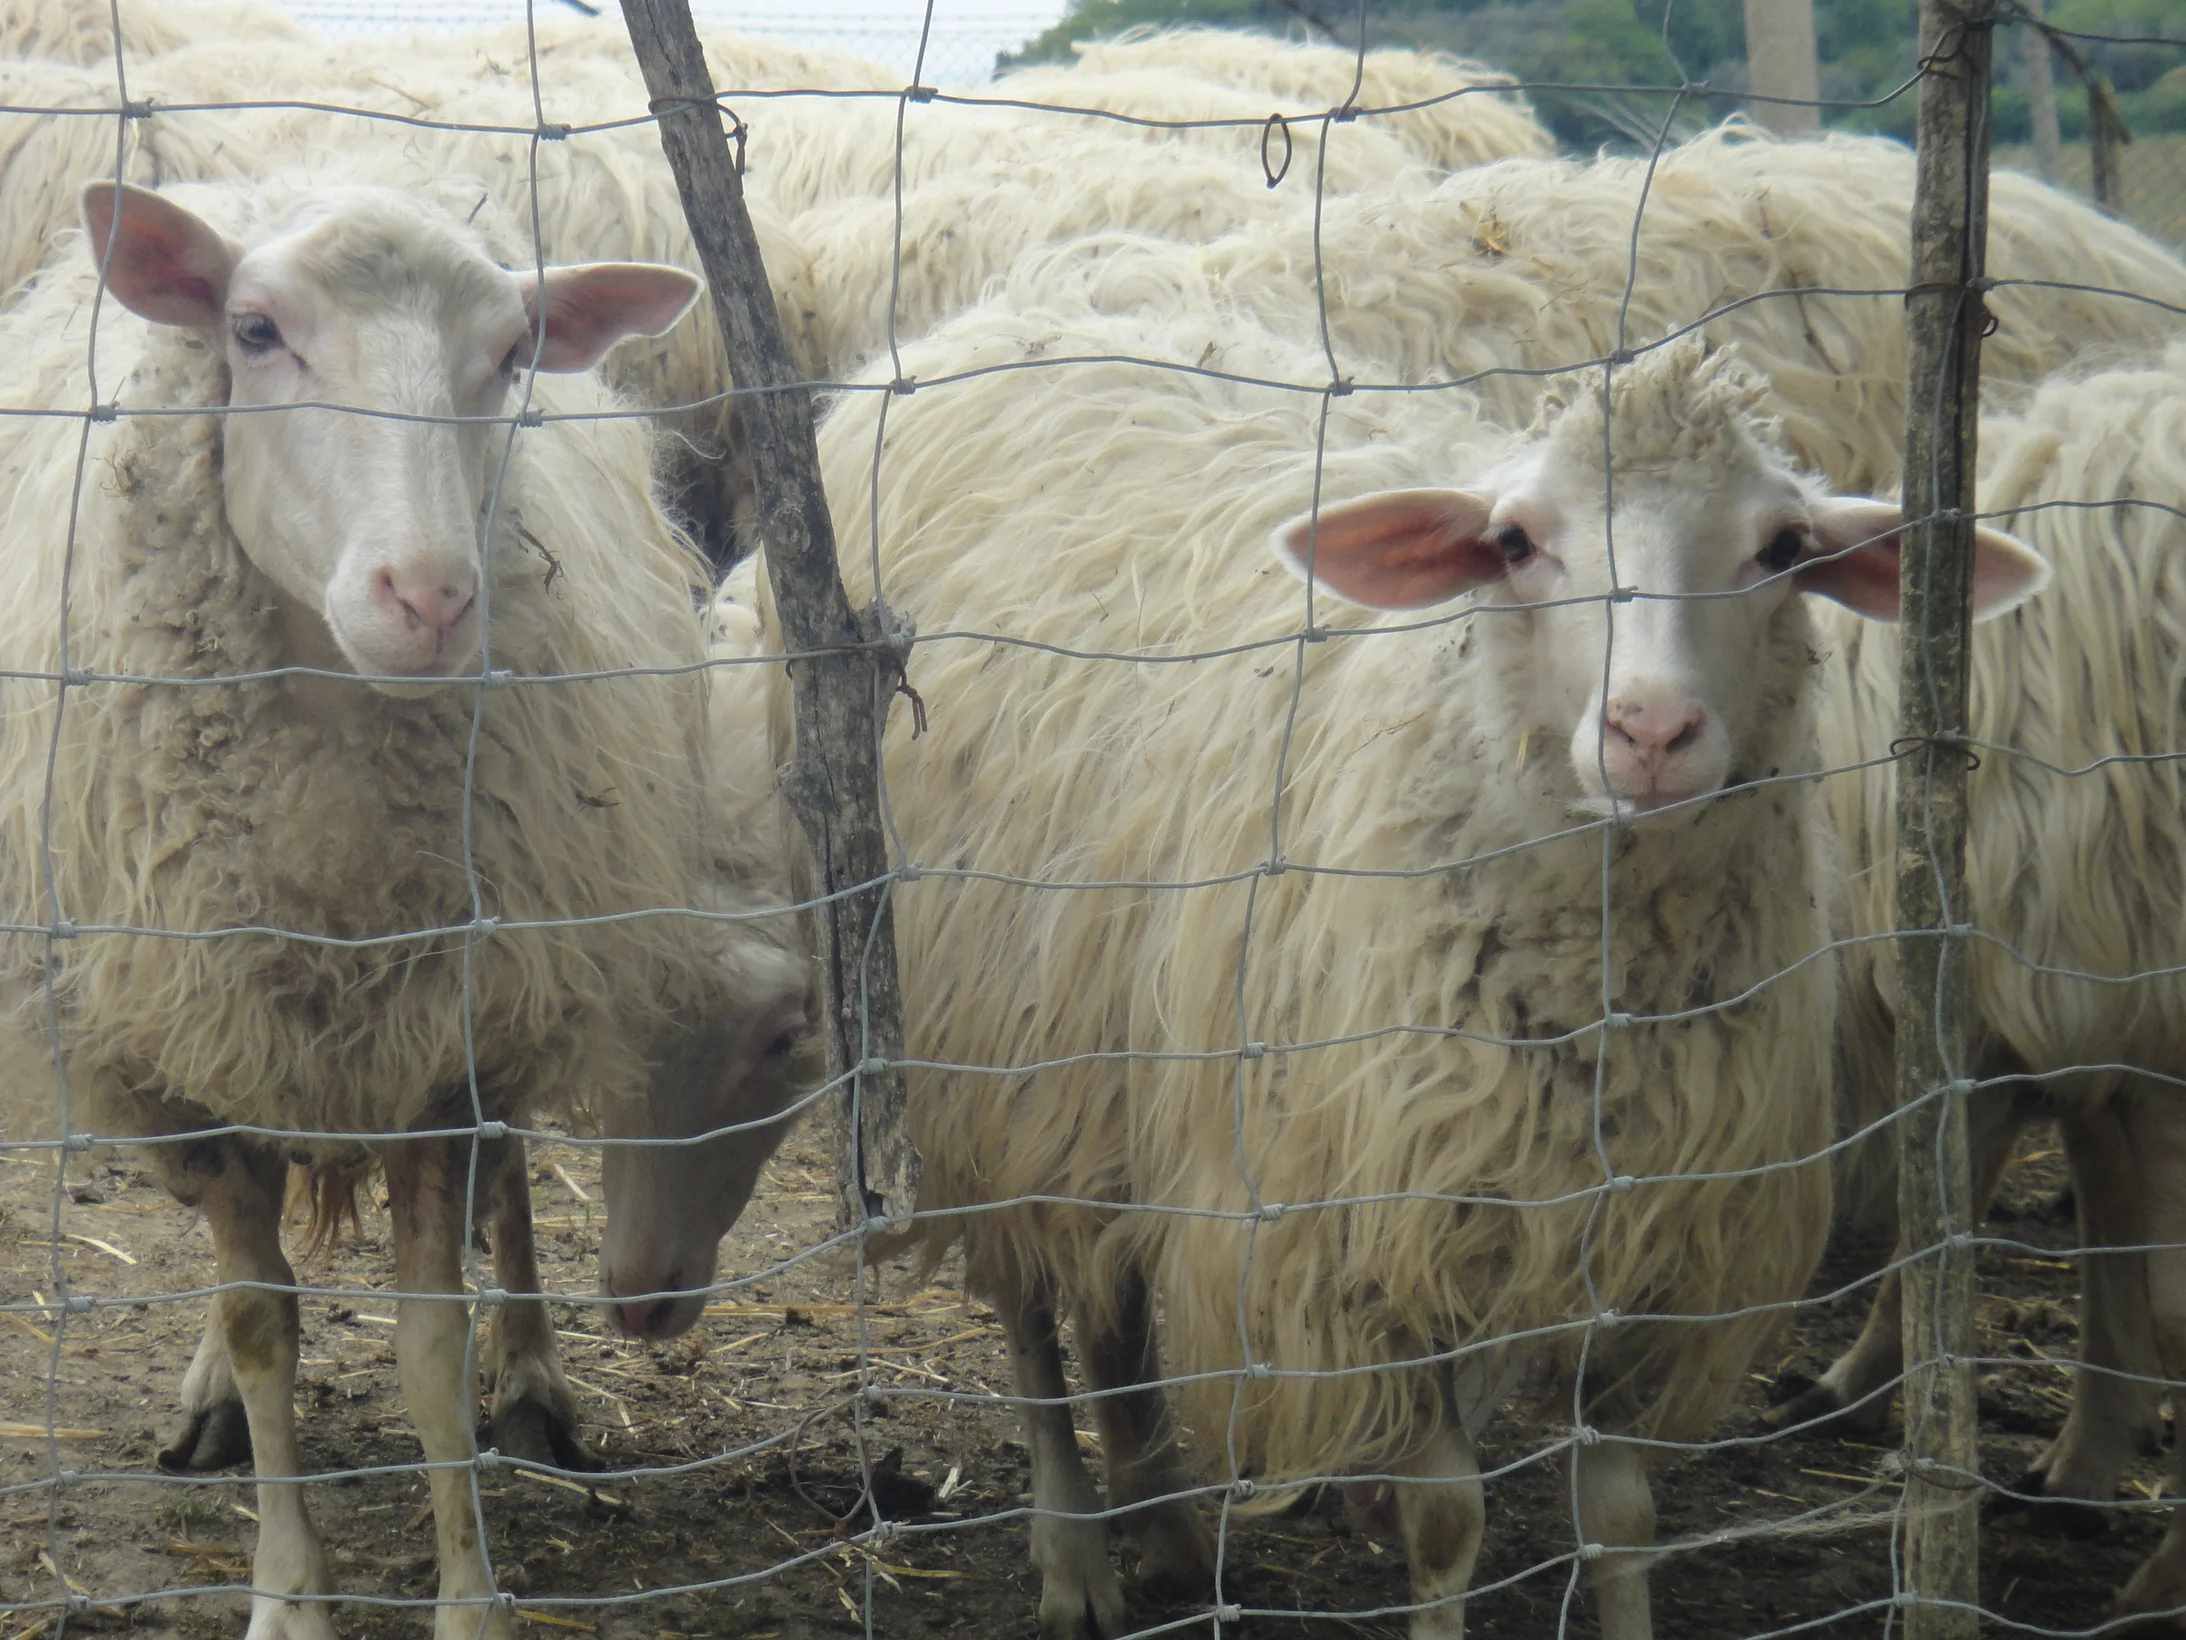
{"x": 1856, "y": 548}
{"x": 160, "y": 261}
{"x": 592, "y": 307}
{"x": 1402, "y": 549}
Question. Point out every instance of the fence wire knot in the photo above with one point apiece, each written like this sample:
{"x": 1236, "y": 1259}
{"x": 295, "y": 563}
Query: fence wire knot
{"x": 105, "y": 412}
{"x": 1268, "y": 168}
{"x": 1271, "y": 1212}
{"x": 1946, "y": 740}
{"x": 1242, "y": 1489}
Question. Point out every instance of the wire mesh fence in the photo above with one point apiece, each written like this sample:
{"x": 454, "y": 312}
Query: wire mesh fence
{"x": 1448, "y": 1026}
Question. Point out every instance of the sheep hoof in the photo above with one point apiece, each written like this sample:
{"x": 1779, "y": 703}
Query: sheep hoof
{"x": 216, "y": 1437}
{"x": 2030, "y": 1503}
{"x": 1176, "y": 1556}
{"x": 1094, "y": 1615}
{"x": 2158, "y": 1587}
{"x": 1803, "y": 1400}
{"x": 537, "y": 1433}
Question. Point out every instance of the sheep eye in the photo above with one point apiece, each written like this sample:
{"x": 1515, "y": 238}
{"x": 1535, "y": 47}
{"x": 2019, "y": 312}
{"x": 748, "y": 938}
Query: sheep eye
{"x": 783, "y": 1044}
{"x": 255, "y": 333}
{"x": 1782, "y": 551}
{"x": 1517, "y": 546}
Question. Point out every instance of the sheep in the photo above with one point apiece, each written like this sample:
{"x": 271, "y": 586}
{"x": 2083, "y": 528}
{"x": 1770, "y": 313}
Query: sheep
{"x": 2069, "y": 874}
{"x": 807, "y": 153}
{"x": 1522, "y": 267}
{"x": 603, "y": 194}
{"x": 1048, "y": 784}
{"x": 670, "y": 1205}
{"x": 333, "y": 825}
{"x": 1469, "y": 117}
{"x": 82, "y": 31}
{"x": 970, "y": 224}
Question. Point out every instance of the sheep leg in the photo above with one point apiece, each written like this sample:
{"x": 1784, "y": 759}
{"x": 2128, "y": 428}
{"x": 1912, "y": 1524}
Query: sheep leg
{"x": 215, "y": 1432}
{"x": 1080, "y": 1596}
{"x": 1175, "y": 1549}
{"x": 534, "y": 1414}
{"x": 2111, "y": 1416}
{"x": 1617, "y": 1511}
{"x": 1441, "y": 1511}
{"x": 427, "y": 1187}
{"x": 1856, "y": 1385}
{"x": 238, "y": 1187}
{"x": 2156, "y": 1127}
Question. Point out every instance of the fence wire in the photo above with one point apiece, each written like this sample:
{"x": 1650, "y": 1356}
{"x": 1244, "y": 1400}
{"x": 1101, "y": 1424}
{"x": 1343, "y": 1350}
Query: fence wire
{"x": 836, "y": 1444}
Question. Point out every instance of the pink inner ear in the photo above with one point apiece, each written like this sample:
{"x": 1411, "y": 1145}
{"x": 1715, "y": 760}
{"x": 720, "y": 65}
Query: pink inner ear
{"x": 589, "y": 309}
{"x": 165, "y": 263}
{"x": 1407, "y": 549}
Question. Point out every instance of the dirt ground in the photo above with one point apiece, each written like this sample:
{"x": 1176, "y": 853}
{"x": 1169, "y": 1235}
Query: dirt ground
{"x": 770, "y": 1369}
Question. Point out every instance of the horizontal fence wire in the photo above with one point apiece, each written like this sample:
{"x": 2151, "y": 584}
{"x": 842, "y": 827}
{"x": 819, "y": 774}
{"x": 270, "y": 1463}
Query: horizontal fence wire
{"x": 837, "y": 1442}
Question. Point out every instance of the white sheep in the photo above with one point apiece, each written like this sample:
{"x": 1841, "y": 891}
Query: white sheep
{"x": 968, "y": 225}
{"x": 809, "y": 152}
{"x": 301, "y": 902}
{"x": 601, "y": 194}
{"x": 82, "y": 31}
{"x": 1414, "y": 931}
{"x": 1522, "y": 267}
{"x": 2076, "y": 878}
{"x": 670, "y": 1205}
{"x": 1455, "y": 114}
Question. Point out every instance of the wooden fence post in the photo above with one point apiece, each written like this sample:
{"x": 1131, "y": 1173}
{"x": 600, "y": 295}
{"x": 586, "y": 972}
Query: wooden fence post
{"x": 843, "y": 685}
{"x": 1945, "y": 320}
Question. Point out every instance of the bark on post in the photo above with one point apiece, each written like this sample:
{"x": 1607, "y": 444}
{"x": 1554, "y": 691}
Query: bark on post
{"x": 1945, "y": 319}
{"x": 843, "y": 687}
{"x": 2107, "y": 136}
{"x": 2041, "y": 96}
{"x": 1781, "y": 62}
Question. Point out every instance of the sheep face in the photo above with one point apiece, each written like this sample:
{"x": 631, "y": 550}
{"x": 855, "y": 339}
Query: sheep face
{"x": 1648, "y": 620}
{"x": 370, "y": 341}
{"x": 668, "y": 1206}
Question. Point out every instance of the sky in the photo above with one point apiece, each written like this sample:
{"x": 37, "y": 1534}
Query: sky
{"x": 965, "y": 34}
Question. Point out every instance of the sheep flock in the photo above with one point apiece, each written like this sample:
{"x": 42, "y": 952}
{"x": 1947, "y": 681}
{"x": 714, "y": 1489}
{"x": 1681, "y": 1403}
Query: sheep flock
{"x": 1392, "y": 813}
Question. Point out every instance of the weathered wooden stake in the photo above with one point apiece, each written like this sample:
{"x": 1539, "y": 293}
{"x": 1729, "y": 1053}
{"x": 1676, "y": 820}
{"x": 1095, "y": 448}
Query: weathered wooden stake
{"x": 1945, "y": 319}
{"x": 843, "y": 688}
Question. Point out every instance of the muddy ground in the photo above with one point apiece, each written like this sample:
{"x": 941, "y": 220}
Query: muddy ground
{"x": 774, "y": 1366}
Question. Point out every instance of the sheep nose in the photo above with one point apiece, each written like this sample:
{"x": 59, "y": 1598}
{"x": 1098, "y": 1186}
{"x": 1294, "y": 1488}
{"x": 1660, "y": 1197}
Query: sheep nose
{"x": 434, "y": 600}
{"x": 645, "y": 1317}
{"x": 1655, "y": 729}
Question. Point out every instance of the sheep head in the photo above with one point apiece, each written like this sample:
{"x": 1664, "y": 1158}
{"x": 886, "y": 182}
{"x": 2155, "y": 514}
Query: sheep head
{"x": 1644, "y": 618}
{"x": 370, "y": 344}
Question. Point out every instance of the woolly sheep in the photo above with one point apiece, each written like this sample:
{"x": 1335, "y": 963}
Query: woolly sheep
{"x": 1047, "y": 775}
{"x": 1521, "y": 267}
{"x": 82, "y": 31}
{"x": 671, "y": 1205}
{"x": 969, "y": 225}
{"x": 813, "y": 152}
{"x": 2078, "y": 833}
{"x": 603, "y": 194}
{"x": 337, "y": 817}
{"x": 1474, "y": 122}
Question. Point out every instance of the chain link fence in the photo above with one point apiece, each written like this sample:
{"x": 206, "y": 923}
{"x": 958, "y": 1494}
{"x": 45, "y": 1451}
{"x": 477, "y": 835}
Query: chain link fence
{"x": 1454, "y": 1062}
